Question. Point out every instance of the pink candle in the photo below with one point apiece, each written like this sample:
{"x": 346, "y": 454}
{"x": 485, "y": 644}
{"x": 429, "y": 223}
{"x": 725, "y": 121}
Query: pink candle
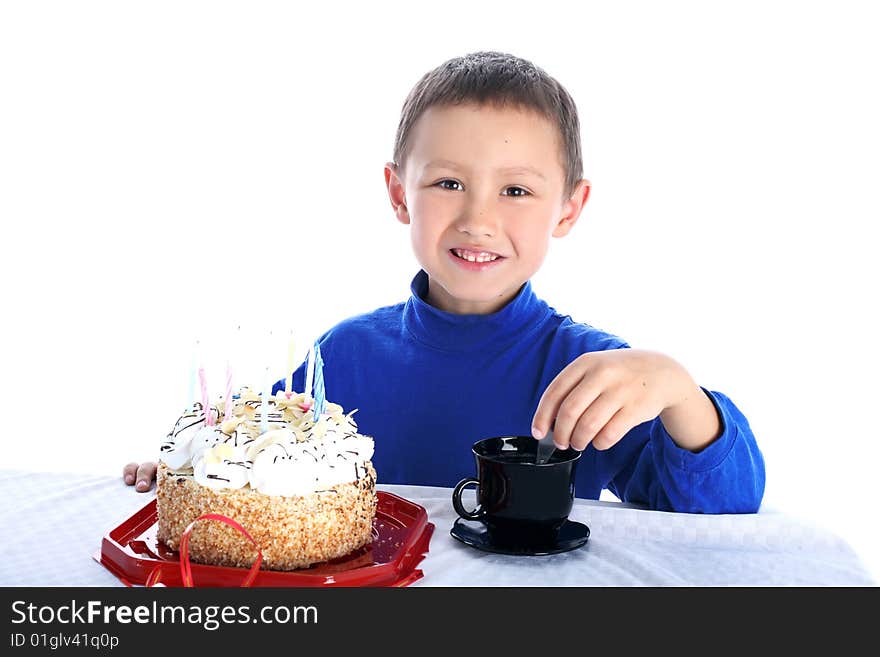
{"x": 203, "y": 382}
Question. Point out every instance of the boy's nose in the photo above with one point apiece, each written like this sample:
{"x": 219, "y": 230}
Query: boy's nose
{"x": 477, "y": 223}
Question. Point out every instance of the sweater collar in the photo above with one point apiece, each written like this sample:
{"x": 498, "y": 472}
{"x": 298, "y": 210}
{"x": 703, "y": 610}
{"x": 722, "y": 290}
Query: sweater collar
{"x": 458, "y": 333}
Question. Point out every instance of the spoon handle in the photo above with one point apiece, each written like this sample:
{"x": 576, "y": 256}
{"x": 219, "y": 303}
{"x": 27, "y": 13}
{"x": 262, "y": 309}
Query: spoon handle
{"x": 545, "y": 448}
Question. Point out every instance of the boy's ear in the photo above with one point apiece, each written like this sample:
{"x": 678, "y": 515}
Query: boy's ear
{"x": 396, "y": 192}
{"x": 571, "y": 209}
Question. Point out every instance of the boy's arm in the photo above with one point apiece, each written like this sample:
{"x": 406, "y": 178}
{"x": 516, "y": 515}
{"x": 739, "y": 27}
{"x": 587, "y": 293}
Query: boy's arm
{"x": 659, "y": 438}
{"x": 726, "y": 476}
{"x": 693, "y": 423}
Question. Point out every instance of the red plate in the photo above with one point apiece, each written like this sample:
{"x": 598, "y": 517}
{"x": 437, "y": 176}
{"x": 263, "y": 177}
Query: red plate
{"x": 132, "y": 552}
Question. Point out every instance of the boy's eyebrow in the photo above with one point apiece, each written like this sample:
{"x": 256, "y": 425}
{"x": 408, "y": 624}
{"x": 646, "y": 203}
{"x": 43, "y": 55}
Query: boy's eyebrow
{"x": 519, "y": 169}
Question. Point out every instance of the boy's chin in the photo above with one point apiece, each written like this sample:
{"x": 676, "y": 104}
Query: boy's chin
{"x": 464, "y": 299}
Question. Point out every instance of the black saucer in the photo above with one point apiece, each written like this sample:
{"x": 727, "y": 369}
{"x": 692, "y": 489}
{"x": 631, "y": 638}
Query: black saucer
{"x": 474, "y": 533}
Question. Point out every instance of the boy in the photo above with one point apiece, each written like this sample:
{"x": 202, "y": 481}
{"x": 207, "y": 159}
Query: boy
{"x": 487, "y": 167}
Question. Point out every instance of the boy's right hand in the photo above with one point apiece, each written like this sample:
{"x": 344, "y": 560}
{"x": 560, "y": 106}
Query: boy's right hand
{"x": 143, "y": 474}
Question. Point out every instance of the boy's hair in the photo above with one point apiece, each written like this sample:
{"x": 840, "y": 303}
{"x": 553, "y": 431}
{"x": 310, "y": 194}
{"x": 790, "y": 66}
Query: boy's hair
{"x": 500, "y": 80}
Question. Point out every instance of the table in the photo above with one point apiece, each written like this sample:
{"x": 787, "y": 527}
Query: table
{"x": 51, "y": 524}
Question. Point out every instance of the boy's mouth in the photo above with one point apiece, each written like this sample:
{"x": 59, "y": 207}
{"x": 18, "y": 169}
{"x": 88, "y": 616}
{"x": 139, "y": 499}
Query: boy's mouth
{"x": 474, "y": 256}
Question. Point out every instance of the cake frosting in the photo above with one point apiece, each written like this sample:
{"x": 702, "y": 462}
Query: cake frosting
{"x": 298, "y": 455}
{"x": 303, "y": 486}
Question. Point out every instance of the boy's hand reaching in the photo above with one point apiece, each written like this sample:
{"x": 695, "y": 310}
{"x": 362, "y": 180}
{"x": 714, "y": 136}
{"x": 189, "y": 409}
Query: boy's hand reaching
{"x": 143, "y": 473}
{"x": 601, "y": 395}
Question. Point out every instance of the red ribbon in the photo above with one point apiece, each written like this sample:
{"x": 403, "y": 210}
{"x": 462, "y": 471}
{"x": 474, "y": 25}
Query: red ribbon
{"x": 185, "y": 568}
{"x": 152, "y": 578}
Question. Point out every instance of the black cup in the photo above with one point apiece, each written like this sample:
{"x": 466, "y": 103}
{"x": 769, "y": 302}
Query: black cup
{"x": 521, "y": 502}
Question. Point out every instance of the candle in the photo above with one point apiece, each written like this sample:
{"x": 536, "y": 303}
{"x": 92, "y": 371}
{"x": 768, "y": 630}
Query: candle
{"x": 318, "y": 408}
{"x": 204, "y": 383}
{"x": 193, "y": 377}
{"x": 236, "y": 357}
{"x": 288, "y": 388}
{"x": 264, "y": 406}
{"x": 228, "y": 413}
{"x": 310, "y": 372}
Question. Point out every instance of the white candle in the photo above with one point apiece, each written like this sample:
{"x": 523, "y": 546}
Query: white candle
{"x": 290, "y": 364}
{"x": 193, "y": 377}
{"x": 264, "y": 406}
{"x": 228, "y": 399}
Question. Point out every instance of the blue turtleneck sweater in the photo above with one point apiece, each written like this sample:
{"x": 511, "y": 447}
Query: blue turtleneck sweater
{"x": 428, "y": 384}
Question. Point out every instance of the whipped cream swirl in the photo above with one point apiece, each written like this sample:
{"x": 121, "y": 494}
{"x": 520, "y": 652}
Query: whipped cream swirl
{"x": 296, "y": 456}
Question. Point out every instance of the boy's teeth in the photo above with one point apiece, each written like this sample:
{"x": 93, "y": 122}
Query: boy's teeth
{"x": 475, "y": 257}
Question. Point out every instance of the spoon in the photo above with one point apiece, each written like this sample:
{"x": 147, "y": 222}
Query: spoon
{"x": 545, "y": 448}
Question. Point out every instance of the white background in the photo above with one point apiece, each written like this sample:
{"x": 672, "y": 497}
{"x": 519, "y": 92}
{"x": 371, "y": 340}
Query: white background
{"x": 172, "y": 170}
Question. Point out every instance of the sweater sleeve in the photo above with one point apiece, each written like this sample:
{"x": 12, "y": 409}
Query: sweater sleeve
{"x": 726, "y": 476}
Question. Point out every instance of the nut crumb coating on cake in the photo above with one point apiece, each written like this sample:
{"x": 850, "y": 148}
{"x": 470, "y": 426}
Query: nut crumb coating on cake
{"x": 292, "y": 532}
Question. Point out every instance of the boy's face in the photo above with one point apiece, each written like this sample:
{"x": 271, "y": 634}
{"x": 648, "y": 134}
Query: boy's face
{"x": 480, "y": 225}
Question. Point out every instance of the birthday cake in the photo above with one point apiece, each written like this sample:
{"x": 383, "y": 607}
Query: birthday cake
{"x": 302, "y": 486}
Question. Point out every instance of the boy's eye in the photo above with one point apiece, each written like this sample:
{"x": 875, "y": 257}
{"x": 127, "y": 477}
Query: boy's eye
{"x": 454, "y": 182}
{"x": 520, "y": 192}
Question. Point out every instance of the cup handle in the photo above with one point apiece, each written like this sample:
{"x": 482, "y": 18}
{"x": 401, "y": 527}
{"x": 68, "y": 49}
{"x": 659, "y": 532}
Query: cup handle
{"x": 477, "y": 513}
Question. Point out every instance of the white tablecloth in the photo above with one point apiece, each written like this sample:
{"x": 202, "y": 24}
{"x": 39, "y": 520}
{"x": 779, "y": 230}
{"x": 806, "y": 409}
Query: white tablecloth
{"x": 51, "y": 524}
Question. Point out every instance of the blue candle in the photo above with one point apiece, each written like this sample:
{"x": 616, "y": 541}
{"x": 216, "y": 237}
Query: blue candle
{"x": 310, "y": 371}
{"x": 319, "y": 384}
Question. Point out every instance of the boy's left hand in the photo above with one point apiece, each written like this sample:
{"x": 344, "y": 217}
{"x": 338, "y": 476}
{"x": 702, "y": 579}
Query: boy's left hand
{"x": 601, "y": 395}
